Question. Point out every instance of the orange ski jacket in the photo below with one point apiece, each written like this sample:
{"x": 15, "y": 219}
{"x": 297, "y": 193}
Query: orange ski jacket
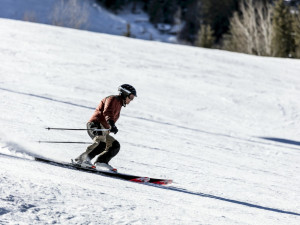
{"x": 108, "y": 109}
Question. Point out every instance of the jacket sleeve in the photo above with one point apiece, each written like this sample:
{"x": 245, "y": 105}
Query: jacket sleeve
{"x": 108, "y": 111}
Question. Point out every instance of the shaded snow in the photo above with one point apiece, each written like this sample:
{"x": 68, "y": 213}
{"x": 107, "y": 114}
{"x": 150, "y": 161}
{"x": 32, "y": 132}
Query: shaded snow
{"x": 88, "y": 16}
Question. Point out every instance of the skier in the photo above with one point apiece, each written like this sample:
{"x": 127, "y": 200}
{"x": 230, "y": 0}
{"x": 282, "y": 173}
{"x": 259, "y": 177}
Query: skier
{"x": 105, "y": 116}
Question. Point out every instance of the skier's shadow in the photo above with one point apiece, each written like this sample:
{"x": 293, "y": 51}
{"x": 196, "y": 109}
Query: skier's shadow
{"x": 281, "y": 140}
{"x": 182, "y": 190}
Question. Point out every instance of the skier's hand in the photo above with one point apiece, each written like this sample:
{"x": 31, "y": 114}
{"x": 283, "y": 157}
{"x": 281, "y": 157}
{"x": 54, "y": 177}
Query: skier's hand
{"x": 113, "y": 127}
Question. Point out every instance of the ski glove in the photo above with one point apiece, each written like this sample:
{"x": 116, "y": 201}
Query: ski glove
{"x": 113, "y": 127}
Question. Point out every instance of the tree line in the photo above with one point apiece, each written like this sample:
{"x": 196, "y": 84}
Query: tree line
{"x": 258, "y": 27}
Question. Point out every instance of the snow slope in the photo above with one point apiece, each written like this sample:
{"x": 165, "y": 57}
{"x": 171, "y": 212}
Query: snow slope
{"x": 223, "y": 126}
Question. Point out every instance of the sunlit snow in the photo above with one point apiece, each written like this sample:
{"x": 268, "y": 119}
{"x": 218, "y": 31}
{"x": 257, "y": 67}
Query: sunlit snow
{"x": 224, "y": 126}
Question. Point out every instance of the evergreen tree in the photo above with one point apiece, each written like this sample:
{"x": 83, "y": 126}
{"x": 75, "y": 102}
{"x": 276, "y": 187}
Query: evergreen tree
{"x": 171, "y": 7}
{"x": 113, "y": 4}
{"x": 296, "y": 28}
{"x": 283, "y": 44}
{"x": 155, "y": 11}
{"x": 162, "y": 11}
{"x": 205, "y": 37}
{"x": 217, "y": 13}
{"x": 192, "y": 21}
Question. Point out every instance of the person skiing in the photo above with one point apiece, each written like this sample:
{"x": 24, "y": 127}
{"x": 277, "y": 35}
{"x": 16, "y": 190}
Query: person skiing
{"x": 105, "y": 116}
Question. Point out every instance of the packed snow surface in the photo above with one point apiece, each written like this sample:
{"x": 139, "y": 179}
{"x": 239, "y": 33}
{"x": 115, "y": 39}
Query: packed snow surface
{"x": 223, "y": 126}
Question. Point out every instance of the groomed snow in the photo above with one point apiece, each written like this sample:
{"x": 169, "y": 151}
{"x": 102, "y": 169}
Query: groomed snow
{"x": 223, "y": 126}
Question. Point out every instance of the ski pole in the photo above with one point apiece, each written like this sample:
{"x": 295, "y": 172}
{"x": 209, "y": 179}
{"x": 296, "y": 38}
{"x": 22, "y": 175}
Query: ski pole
{"x": 65, "y": 142}
{"x": 57, "y": 128}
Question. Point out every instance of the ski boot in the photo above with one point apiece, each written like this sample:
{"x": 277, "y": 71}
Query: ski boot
{"x": 105, "y": 167}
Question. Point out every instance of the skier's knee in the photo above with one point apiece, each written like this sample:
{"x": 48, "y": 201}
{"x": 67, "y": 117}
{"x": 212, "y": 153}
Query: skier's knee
{"x": 115, "y": 148}
{"x": 116, "y": 145}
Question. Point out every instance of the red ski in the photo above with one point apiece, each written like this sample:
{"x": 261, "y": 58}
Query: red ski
{"x": 133, "y": 178}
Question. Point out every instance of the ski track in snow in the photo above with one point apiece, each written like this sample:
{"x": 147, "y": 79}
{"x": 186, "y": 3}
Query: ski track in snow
{"x": 229, "y": 142}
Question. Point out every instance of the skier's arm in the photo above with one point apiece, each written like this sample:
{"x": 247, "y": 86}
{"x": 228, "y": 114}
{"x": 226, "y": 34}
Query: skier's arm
{"x": 108, "y": 111}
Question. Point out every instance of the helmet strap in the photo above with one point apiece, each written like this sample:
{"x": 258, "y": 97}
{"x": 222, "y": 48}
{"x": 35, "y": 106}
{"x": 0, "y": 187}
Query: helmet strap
{"x": 123, "y": 98}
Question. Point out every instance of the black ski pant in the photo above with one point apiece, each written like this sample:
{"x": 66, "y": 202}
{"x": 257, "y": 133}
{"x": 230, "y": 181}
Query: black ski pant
{"x": 103, "y": 145}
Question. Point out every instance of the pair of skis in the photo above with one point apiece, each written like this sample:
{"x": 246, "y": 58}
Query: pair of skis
{"x": 128, "y": 177}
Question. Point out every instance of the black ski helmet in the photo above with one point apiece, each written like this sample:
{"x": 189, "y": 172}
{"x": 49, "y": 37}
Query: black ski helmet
{"x": 126, "y": 90}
